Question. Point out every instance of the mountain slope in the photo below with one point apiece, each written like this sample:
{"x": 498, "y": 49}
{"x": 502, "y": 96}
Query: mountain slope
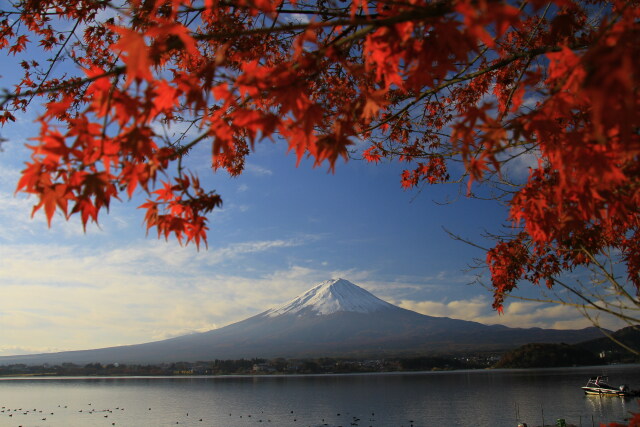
{"x": 335, "y": 318}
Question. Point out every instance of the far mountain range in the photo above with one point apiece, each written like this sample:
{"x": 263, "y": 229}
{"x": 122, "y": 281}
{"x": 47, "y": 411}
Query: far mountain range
{"x": 333, "y": 319}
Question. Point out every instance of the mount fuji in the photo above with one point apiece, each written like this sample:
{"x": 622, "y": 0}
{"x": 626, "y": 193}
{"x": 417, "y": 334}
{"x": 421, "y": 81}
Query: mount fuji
{"x": 334, "y": 318}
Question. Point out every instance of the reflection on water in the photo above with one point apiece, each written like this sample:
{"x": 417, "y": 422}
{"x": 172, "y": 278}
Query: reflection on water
{"x": 601, "y": 406}
{"x": 464, "y": 398}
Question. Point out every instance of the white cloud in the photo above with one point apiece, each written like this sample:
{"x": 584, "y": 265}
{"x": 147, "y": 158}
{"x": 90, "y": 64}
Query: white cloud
{"x": 9, "y": 176}
{"x": 235, "y": 250}
{"x": 461, "y": 309}
{"x": 296, "y": 18}
{"x": 257, "y": 170}
{"x": 66, "y": 297}
{"x": 11, "y": 350}
{"x": 521, "y": 162}
{"x": 416, "y": 288}
{"x": 517, "y": 314}
{"x": 17, "y": 220}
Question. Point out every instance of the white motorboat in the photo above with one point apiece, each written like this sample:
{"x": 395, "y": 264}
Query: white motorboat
{"x": 599, "y": 385}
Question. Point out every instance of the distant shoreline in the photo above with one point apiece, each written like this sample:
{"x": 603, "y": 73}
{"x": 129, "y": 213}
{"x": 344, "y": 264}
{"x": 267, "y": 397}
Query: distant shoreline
{"x": 53, "y": 376}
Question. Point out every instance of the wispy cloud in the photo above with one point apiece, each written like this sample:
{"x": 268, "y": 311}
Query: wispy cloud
{"x": 10, "y": 350}
{"x": 235, "y": 250}
{"x": 521, "y": 162}
{"x": 69, "y": 297}
{"x": 18, "y": 221}
{"x": 257, "y": 170}
{"x": 517, "y": 314}
{"x": 462, "y": 309}
{"x": 414, "y": 288}
{"x": 9, "y": 176}
{"x": 298, "y": 18}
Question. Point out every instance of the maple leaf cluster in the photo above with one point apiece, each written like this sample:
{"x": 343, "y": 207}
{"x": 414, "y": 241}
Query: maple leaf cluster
{"x": 433, "y": 84}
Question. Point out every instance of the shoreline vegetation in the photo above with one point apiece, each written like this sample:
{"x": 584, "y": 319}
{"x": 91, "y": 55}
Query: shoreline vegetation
{"x": 528, "y": 356}
{"x": 255, "y": 366}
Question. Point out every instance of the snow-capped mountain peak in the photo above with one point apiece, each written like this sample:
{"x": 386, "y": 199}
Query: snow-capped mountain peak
{"x": 332, "y": 296}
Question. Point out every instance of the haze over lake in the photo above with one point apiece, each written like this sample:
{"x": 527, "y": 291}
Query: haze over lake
{"x": 491, "y": 398}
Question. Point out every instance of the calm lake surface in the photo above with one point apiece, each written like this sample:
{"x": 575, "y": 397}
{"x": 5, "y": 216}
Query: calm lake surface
{"x": 492, "y": 398}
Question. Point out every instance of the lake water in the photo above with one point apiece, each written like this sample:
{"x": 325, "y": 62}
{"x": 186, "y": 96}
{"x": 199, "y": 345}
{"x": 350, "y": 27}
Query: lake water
{"x": 491, "y": 398}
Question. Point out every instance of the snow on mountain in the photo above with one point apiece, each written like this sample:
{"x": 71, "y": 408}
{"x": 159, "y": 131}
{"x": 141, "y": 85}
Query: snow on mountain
{"x": 332, "y": 296}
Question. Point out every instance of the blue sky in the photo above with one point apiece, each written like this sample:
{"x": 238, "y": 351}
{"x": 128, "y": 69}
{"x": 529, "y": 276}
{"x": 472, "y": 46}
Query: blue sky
{"x": 282, "y": 229}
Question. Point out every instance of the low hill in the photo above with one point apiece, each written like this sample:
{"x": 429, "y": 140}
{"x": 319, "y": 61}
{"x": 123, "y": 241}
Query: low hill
{"x": 592, "y": 352}
{"x": 548, "y": 356}
{"x": 611, "y": 350}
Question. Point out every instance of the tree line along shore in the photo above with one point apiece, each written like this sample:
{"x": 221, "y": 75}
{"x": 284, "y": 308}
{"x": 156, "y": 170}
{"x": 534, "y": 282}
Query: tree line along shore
{"x": 527, "y": 356}
{"x": 256, "y": 366}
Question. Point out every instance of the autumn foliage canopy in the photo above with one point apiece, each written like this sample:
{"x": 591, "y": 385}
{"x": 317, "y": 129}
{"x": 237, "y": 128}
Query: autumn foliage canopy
{"x": 457, "y": 90}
